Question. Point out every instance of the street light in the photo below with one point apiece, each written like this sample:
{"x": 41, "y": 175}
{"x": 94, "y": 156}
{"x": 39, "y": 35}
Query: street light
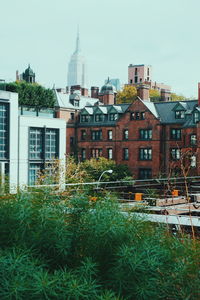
{"x": 106, "y": 171}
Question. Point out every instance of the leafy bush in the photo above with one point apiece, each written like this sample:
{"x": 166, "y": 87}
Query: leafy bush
{"x": 78, "y": 248}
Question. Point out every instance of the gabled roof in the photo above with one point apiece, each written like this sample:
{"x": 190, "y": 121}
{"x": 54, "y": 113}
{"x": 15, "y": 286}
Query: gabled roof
{"x": 151, "y": 107}
{"x": 166, "y": 113}
{"x": 63, "y": 100}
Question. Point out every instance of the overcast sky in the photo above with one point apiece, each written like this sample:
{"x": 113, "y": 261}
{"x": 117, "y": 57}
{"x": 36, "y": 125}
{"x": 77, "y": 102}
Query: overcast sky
{"x": 114, "y": 33}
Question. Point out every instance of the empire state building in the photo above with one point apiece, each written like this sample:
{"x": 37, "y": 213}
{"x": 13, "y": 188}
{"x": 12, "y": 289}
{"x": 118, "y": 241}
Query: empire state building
{"x": 77, "y": 67}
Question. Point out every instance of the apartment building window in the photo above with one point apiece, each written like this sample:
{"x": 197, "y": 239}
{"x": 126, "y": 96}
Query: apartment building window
{"x": 136, "y": 79}
{"x": 96, "y": 152}
{"x": 83, "y": 154}
{"x": 142, "y": 115}
{"x": 113, "y": 117}
{"x": 175, "y": 134}
{"x": 3, "y": 131}
{"x": 110, "y": 135}
{"x": 136, "y": 70}
{"x": 196, "y": 117}
{"x": 125, "y": 154}
{"x": 85, "y": 118}
{"x": 51, "y": 143}
{"x": 99, "y": 118}
{"x": 125, "y": 134}
{"x": 145, "y": 173}
{"x": 193, "y": 139}
{"x": 175, "y": 154}
{"x": 145, "y": 154}
{"x": 180, "y": 114}
{"x": 145, "y": 134}
{"x": 96, "y": 135}
{"x": 136, "y": 115}
{"x": 131, "y": 80}
{"x": 36, "y": 143}
{"x": 193, "y": 162}
{"x": 71, "y": 140}
{"x": 43, "y": 148}
{"x": 83, "y": 135}
{"x": 110, "y": 153}
{"x": 76, "y": 103}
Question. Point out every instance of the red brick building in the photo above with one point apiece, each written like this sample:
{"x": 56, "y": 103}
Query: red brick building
{"x": 153, "y": 139}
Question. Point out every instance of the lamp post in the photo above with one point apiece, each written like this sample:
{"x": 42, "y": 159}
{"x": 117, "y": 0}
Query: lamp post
{"x": 106, "y": 171}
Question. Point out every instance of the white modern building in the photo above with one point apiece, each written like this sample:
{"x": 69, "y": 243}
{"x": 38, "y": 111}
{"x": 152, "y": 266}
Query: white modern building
{"x": 77, "y": 67}
{"x": 30, "y": 141}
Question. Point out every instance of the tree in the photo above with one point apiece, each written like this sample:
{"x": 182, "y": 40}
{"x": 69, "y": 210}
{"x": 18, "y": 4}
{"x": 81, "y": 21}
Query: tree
{"x": 175, "y": 97}
{"x": 32, "y": 94}
{"x": 154, "y": 95}
{"x": 127, "y": 95}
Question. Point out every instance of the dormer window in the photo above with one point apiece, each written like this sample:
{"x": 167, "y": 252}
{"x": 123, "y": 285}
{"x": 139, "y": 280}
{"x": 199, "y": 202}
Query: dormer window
{"x": 180, "y": 114}
{"x": 76, "y": 103}
{"x": 84, "y": 118}
{"x": 113, "y": 117}
{"x": 99, "y": 118}
{"x": 196, "y": 117}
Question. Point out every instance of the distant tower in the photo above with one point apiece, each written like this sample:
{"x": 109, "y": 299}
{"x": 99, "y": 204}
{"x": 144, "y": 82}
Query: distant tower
{"x": 77, "y": 67}
{"x": 28, "y": 75}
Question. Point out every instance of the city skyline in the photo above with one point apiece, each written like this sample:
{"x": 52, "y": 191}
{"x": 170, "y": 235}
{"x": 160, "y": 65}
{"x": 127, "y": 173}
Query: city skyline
{"x": 113, "y": 35}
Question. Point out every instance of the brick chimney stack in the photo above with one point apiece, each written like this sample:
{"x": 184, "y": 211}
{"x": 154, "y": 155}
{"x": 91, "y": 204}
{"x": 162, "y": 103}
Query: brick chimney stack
{"x": 143, "y": 91}
{"x": 95, "y": 92}
{"x": 198, "y": 93}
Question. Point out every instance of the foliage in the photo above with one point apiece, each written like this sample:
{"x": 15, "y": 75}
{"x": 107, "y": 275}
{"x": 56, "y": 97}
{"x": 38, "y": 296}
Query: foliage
{"x": 127, "y": 95}
{"x": 32, "y": 94}
{"x": 175, "y": 97}
{"x": 154, "y": 95}
{"x": 95, "y": 167}
{"x": 83, "y": 249}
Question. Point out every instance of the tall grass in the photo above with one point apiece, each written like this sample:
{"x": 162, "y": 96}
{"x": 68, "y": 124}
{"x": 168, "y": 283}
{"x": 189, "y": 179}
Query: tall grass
{"x": 81, "y": 249}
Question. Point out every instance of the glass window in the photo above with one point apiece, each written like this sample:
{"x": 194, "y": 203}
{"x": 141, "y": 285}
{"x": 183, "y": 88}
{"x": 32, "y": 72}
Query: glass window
{"x": 34, "y": 173}
{"x": 110, "y": 135}
{"x": 125, "y": 154}
{"x": 137, "y": 115}
{"x": 126, "y": 134}
{"x": 180, "y": 114}
{"x": 196, "y": 116}
{"x": 113, "y": 117}
{"x": 51, "y": 142}
{"x": 83, "y": 154}
{"x": 96, "y": 152}
{"x": 176, "y": 134}
{"x": 175, "y": 154}
{"x": 35, "y": 143}
{"x": 145, "y": 134}
{"x": 145, "y": 173}
{"x": 132, "y": 116}
{"x": 193, "y": 139}
{"x": 110, "y": 153}
{"x": 3, "y": 131}
{"x": 142, "y": 115}
{"x": 145, "y": 154}
{"x": 83, "y": 135}
{"x": 85, "y": 118}
{"x": 72, "y": 116}
{"x": 96, "y": 135}
{"x": 99, "y": 118}
{"x": 193, "y": 163}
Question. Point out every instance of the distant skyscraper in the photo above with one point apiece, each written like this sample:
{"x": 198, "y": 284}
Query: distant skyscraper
{"x": 77, "y": 67}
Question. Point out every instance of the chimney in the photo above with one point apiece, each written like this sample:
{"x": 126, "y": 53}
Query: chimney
{"x": 143, "y": 91}
{"x": 94, "y": 92}
{"x": 84, "y": 92}
{"x": 198, "y": 93}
